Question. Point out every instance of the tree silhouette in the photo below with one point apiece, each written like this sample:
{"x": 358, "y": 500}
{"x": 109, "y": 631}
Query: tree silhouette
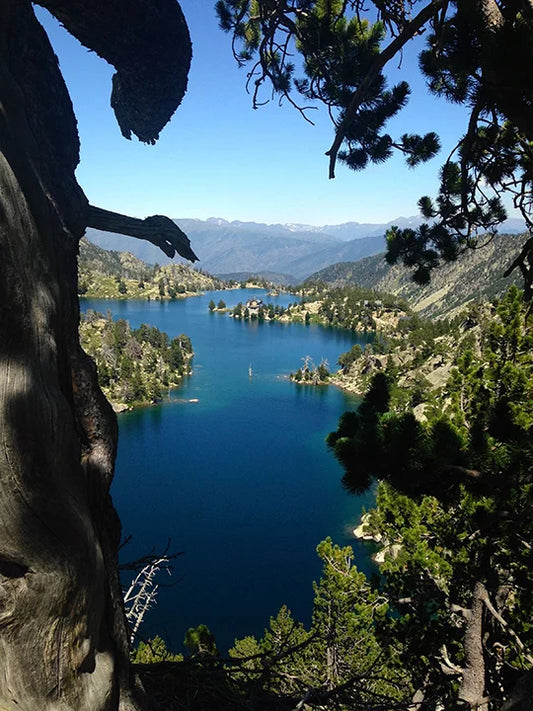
{"x": 63, "y": 638}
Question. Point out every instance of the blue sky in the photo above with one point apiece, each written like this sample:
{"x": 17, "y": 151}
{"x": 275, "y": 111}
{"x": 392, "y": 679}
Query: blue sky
{"x": 220, "y": 158}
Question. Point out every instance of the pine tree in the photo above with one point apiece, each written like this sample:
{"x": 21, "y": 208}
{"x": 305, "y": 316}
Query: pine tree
{"x": 455, "y": 514}
{"x": 477, "y": 55}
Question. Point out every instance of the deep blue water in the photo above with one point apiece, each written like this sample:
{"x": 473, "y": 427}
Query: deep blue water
{"x": 240, "y": 481}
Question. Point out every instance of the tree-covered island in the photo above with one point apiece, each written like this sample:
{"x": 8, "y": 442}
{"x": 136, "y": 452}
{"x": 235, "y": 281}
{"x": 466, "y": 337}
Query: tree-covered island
{"x": 135, "y": 366}
{"x": 354, "y": 308}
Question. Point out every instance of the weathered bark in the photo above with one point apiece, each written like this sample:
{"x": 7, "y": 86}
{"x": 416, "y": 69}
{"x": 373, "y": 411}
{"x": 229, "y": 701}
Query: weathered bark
{"x": 521, "y": 696}
{"x": 63, "y": 637}
{"x": 472, "y": 689}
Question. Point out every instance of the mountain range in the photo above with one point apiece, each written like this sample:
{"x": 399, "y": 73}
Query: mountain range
{"x": 287, "y": 253}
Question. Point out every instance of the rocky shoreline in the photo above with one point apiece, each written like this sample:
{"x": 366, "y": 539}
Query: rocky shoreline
{"x": 388, "y": 550}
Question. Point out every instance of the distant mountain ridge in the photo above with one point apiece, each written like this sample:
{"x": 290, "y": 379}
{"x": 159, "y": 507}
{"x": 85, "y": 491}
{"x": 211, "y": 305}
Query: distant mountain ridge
{"x": 292, "y": 251}
{"x": 478, "y": 274}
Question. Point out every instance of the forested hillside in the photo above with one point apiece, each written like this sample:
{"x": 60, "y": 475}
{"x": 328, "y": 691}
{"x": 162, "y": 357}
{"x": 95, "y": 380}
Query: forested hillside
{"x": 476, "y": 275}
{"x": 457, "y": 562}
{"x": 105, "y": 274}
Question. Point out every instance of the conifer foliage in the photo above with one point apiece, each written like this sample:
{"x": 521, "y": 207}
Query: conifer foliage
{"x": 454, "y": 514}
{"x": 478, "y": 54}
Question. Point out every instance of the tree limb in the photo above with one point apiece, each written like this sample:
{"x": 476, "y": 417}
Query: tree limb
{"x": 472, "y": 688}
{"x": 526, "y": 249}
{"x": 461, "y": 471}
{"x": 158, "y": 230}
{"x": 494, "y": 612}
{"x": 151, "y": 52}
{"x": 407, "y": 33}
{"x": 447, "y": 666}
{"x": 523, "y": 262}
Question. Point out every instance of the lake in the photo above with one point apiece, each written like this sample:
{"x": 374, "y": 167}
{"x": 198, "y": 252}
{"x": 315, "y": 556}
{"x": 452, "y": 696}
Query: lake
{"x": 233, "y": 469}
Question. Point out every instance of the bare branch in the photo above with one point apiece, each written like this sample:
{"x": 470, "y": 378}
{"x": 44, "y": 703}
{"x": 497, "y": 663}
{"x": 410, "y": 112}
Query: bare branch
{"x": 447, "y": 666}
{"x": 158, "y": 230}
{"x": 141, "y": 594}
{"x": 494, "y": 612}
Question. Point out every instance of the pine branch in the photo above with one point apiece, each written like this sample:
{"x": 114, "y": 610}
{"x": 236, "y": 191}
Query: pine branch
{"x": 407, "y": 33}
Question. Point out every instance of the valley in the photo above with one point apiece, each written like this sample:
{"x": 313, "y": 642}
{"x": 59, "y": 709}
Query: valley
{"x": 416, "y": 436}
{"x": 232, "y": 468}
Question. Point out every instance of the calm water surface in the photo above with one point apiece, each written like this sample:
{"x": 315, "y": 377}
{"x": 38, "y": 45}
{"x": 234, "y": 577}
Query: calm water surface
{"x": 233, "y": 469}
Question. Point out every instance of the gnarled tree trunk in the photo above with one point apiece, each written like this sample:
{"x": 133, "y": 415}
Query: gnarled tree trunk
{"x": 63, "y": 638}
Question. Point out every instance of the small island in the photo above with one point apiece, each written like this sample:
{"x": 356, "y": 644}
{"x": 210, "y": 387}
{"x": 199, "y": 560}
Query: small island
{"x": 311, "y": 374}
{"x": 135, "y": 366}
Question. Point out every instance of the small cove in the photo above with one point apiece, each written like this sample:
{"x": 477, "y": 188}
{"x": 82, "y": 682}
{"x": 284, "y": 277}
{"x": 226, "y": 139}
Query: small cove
{"x": 233, "y": 469}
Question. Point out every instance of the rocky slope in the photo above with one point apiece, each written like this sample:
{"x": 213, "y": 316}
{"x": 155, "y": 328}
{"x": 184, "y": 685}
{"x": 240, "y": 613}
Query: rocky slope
{"x": 477, "y": 275}
{"x": 107, "y": 274}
